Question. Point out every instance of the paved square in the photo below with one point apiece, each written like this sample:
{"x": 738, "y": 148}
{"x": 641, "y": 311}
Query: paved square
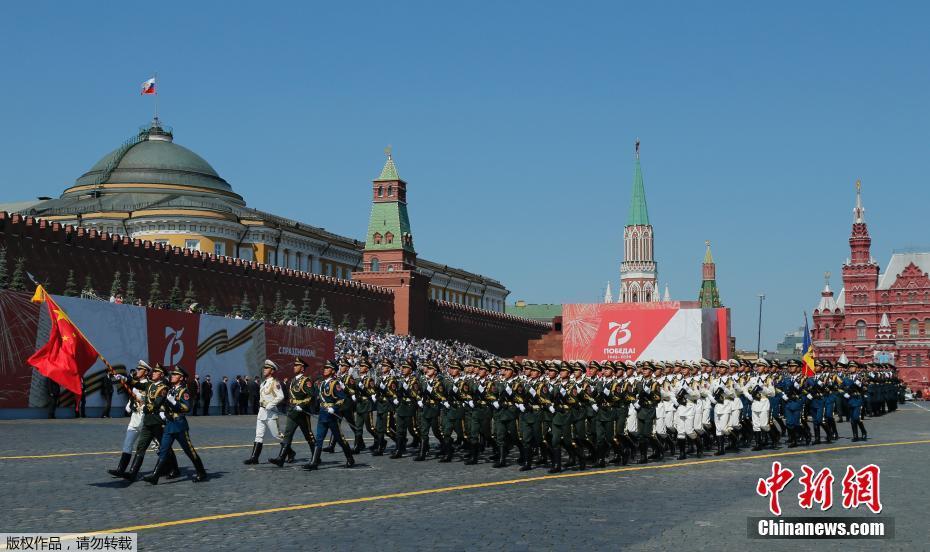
{"x": 54, "y": 479}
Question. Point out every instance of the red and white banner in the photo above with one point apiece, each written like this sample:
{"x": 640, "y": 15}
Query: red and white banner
{"x": 201, "y": 344}
{"x": 641, "y": 331}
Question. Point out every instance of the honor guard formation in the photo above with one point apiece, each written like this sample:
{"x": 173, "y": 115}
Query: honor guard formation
{"x": 484, "y": 410}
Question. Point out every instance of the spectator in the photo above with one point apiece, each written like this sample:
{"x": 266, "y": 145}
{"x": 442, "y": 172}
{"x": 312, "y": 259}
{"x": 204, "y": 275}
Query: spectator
{"x": 106, "y": 391}
{"x": 194, "y": 390}
{"x": 222, "y": 390}
{"x": 237, "y": 394}
{"x": 206, "y": 393}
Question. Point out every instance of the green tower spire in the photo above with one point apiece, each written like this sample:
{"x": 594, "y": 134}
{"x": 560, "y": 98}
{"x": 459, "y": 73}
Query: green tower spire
{"x": 638, "y": 214}
{"x": 709, "y": 296}
{"x": 389, "y": 224}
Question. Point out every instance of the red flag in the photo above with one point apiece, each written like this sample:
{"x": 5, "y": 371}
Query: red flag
{"x": 68, "y": 354}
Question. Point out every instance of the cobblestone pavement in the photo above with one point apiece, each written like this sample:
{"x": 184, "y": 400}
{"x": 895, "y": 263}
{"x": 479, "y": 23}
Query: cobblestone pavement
{"x": 670, "y": 505}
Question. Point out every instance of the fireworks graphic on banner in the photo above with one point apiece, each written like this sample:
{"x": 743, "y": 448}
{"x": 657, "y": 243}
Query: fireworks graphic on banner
{"x": 17, "y": 342}
{"x": 579, "y": 326}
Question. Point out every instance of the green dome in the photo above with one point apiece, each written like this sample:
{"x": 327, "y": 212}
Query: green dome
{"x": 153, "y": 158}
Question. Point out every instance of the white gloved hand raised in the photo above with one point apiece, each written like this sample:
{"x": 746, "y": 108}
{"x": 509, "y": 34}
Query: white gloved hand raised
{"x": 532, "y": 392}
{"x": 551, "y": 409}
{"x": 636, "y": 405}
{"x": 496, "y": 404}
{"x": 396, "y": 402}
{"x": 298, "y": 408}
{"x": 406, "y": 386}
{"x": 521, "y": 407}
{"x": 481, "y": 389}
{"x": 330, "y": 410}
{"x": 171, "y": 399}
{"x": 594, "y": 407}
{"x": 420, "y": 403}
{"x": 162, "y": 416}
{"x": 128, "y": 407}
{"x": 809, "y": 397}
{"x": 429, "y": 388}
{"x": 446, "y": 404}
{"x": 845, "y": 395}
{"x": 562, "y": 391}
{"x": 471, "y": 403}
{"x": 508, "y": 390}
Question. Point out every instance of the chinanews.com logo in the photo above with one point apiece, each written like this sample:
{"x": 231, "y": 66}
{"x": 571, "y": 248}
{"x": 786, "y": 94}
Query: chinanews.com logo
{"x": 620, "y": 334}
{"x": 860, "y": 490}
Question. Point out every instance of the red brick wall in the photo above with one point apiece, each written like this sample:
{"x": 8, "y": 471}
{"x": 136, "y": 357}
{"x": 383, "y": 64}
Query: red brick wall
{"x": 502, "y": 334}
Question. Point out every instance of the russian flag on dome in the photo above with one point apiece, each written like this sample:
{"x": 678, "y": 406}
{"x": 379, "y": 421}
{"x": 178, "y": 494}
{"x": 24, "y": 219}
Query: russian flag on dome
{"x": 148, "y": 87}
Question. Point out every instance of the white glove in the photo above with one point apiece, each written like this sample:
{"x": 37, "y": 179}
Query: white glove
{"x": 810, "y": 397}
{"x": 420, "y": 403}
{"x": 455, "y": 388}
{"x": 162, "y": 416}
{"x": 532, "y": 392}
{"x": 551, "y": 409}
{"x": 845, "y": 395}
{"x": 396, "y": 402}
{"x": 607, "y": 391}
{"x": 330, "y": 410}
{"x": 784, "y": 396}
{"x": 298, "y": 408}
{"x": 858, "y": 383}
{"x": 471, "y": 404}
{"x": 405, "y": 386}
{"x": 429, "y": 388}
{"x": 172, "y": 400}
{"x": 353, "y": 397}
{"x": 562, "y": 391}
{"x": 496, "y": 404}
{"x": 381, "y": 385}
{"x": 361, "y": 385}
{"x": 521, "y": 407}
{"x": 508, "y": 390}
{"x": 594, "y": 407}
{"x": 374, "y": 398}
{"x": 120, "y": 377}
{"x": 797, "y": 385}
{"x": 636, "y": 405}
{"x": 128, "y": 407}
{"x": 481, "y": 389}
{"x": 446, "y": 404}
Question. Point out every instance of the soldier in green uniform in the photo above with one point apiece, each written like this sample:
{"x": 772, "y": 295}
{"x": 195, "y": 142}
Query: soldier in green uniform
{"x": 299, "y": 396}
{"x": 606, "y": 416}
{"x": 579, "y": 415}
{"x": 563, "y": 401}
{"x": 647, "y": 399}
{"x": 432, "y": 399}
{"x": 155, "y": 390}
{"x": 407, "y": 393}
{"x": 453, "y": 415}
{"x": 344, "y": 375}
{"x": 535, "y": 398}
{"x": 364, "y": 404}
{"x": 384, "y": 405}
{"x": 503, "y": 399}
{"x": 546, "y": 414}
{"x": 479, "y": 391}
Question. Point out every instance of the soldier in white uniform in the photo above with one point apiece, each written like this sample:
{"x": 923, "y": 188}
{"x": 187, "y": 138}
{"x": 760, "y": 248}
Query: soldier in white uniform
{"x": 270, "y": 396}
{"x": 134, "y": 409}
{"x": 758, "y": 393}
{"x": 685, "y": 427}
{"x": 722, "y": 404}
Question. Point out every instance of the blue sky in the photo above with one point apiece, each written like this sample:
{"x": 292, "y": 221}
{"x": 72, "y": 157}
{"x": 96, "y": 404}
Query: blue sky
{"x": 514, "y": 124}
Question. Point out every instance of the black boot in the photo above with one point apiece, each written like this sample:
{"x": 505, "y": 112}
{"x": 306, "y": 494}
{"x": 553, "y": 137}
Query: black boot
{"x": 734, "y": 442}
{"x": 359, "y": 445}
{"x": 421, "y": 454}
{"x": 501, "y": 457}
{"x": 449, "y": 452}
{"x": 774, "y": 436}
{"x": 816, "y": 434}
{"x": 121, "y": 468}
{"x": 475, "y": 450}
{"x": 527, "y": 462}
{"x": 290, "y": 455}
{"x": 855, "y": 431}
{"x": 682, "y": 449}
{"x": 134, "y": 468}
{"x": 331, "y": 448}
{"x": 282, "y": 454}
{"x": 572, "y": 455}
{"x": 602, "y": 456}
{"x": 792, "y": 437}
{"x": 865, "y": 434}
{"x": 720, "y": 446}
{"x": 157, "y": 473}
{"x": 347, "y": 450}
{"x": 378, "y": 446}
{"x": 400, "y": 447}
{"x": 658, "y": 452}
{"x": 256, "y": 451}
{"x": 315, "y": 461}
{"x": 556, "y": 459}
{"x": 758, "y": 435}
{"x": 201, "y": 474}
{"x": 699, "y": 443}
{"x": 582, "y": 460}
{"x": 173, "y": 470}
{"x": 643, "y": 449}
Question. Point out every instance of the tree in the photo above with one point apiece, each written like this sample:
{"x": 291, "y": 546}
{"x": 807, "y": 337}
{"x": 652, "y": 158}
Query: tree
{"x": 361, "y": 325}
{"x": 4, "y": 275}
{"x": 70, "y": 285}
{"x": 260, "y": 309}
{"x": 117, "y": 285}
{"x": 346, "y": 322}
{"x": 305, "y": 317}
{"x": 130, "y": 297}
{"x": 89, "y": 286}
{"x": 18, "y": 282}
{"x": 388, "y": 328}
{"x": 154, "y": 292}
{"x": 190, "y": 296}
{"x": 290, "y": 310}
{"x": 174, "y": 296}
{"x": 211, "y": 308}
{"x": 323, "y": 317}
{"x": 377, "y": 326}
{"x": 277, "y": 311}
{"x": 245, "y": 308}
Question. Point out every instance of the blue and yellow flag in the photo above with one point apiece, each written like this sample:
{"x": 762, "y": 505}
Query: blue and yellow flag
{"x": 807, "y": 355}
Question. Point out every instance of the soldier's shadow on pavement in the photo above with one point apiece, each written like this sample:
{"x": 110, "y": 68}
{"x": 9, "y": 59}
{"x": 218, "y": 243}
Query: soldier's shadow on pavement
{"x": 185, "y": 477}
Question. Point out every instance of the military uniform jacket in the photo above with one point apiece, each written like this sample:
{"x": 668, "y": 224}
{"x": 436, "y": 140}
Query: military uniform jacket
{"x": 648, "y": 398}
{"x": 154, "y": 394}
{"x": 536, "y": 398}
{"x": 481, "y": 395}
{"x": 432, "y": 395}
{"x": 456, "y": 393}
{"x": 408, "y": 393}
{"x": 176, "y": 414}
{"x": 386, "y": 392}
{"x": 364, "y": 391}
{"x": 348, "y": 383}
{"x": 506, "y": 409}
{"x": 333, "y": 395}
{"x": 299, "y": 393}
{"x": 563, "y": 399}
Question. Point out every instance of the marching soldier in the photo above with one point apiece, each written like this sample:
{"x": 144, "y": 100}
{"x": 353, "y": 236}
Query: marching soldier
{"x": 648, "y": 398}
{"x": 344, "y": 374}
{"x": 563, "y": 401}
{"x": 364, "y": 395}
{"x": 855, "y": 394}
{"x": 299, "y": 397}
{"x": 505, "y": 413}
{"x": 480, "y": 415}
{"x": 155, "y": 390}
{"x": 407, "y": 393}
{"x": 384, "y": 404}
{"x": 270, "y": 395}
{"x": 453, "y": 416}
{"x": 534, "y": 399}
{"x": 134, "y": 408}
{"x": 432, "y": 398}
{"x": 605, "y": 417}
{"x": 333, "y": 398}
{"x": 175, "y": 406}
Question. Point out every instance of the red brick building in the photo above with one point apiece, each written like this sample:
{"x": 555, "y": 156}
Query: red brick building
{"x": 881, "y": 316}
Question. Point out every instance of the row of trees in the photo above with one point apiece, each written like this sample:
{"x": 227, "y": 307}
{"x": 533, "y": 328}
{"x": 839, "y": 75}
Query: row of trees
{"x": 125, "y": 292}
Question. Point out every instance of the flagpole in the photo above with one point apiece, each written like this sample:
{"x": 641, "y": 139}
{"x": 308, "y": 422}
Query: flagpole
{"x": 156, "y": 94}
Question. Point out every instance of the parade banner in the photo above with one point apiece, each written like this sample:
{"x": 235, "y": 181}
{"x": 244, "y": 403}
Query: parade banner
{"x": 641, "y": 331}
{"x": 124, "y": 334}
